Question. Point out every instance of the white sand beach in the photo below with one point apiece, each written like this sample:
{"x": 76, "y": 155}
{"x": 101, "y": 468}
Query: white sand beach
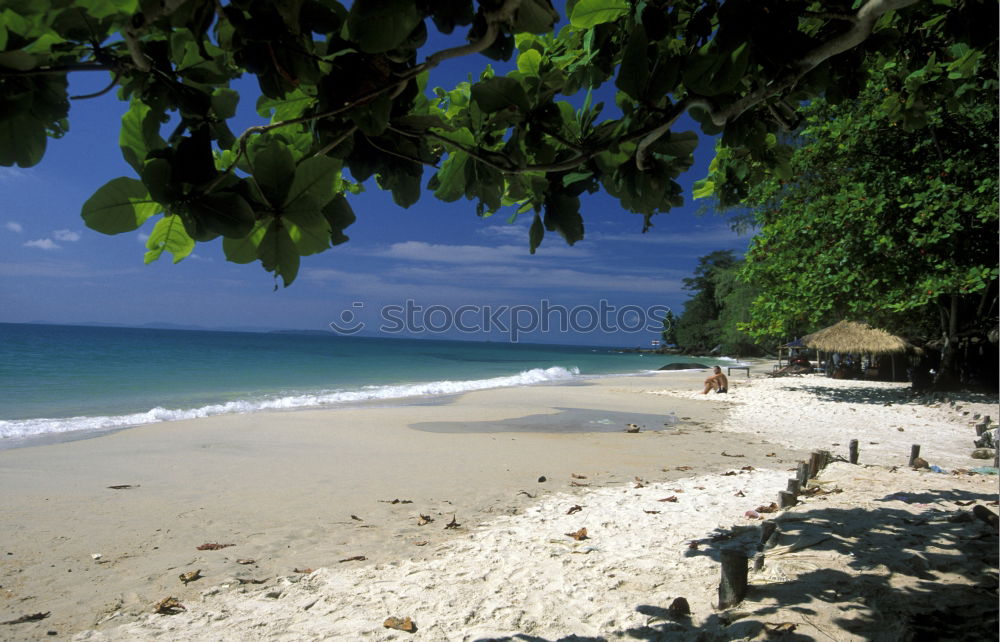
{"x": 476, "y": 548}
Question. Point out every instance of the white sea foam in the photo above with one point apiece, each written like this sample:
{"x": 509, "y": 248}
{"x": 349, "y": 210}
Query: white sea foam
{"x": 21, "y": 428}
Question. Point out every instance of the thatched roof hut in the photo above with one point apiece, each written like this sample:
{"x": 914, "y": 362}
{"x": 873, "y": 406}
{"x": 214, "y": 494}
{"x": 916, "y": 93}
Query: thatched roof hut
{"x": 853, "y": 337}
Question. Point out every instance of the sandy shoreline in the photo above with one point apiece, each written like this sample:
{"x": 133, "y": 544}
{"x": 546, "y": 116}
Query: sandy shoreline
{"x": 307, "y": 489}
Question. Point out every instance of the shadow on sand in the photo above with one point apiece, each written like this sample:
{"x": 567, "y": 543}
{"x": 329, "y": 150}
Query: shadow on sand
{"x": 888, "y": 574}
{"x": 881, "y": 396}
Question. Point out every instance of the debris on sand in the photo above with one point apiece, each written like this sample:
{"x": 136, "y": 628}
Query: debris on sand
{"x": 400, "y": 624}
{"x": 168, "y": 606}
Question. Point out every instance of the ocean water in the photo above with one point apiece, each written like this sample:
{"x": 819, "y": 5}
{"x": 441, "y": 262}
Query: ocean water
{"x": 71, "y": 380}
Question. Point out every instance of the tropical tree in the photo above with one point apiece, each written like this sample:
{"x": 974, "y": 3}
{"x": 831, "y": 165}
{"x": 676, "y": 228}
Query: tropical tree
{"x": 698, "y": 329}
{"x": 346, "y": 96}
{"x": 888, "y": 218}
{"x": 669, "y": 332}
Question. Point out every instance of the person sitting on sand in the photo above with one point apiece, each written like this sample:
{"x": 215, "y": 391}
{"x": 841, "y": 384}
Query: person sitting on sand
{"x": 716, "y": 382}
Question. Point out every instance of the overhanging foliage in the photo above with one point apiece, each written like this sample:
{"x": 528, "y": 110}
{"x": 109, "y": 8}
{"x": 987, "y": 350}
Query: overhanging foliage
{"x": 345, "y": 94}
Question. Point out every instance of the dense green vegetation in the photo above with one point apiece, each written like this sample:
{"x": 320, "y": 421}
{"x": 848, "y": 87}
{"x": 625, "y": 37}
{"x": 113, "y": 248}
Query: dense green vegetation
{"x": 886, "y": 221}
{"x": 719, "y": 304}
{"x": 346, "y": 98}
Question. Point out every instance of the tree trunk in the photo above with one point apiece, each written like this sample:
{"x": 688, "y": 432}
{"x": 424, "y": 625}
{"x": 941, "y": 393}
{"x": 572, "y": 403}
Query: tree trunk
{"x": 947, "y": 377}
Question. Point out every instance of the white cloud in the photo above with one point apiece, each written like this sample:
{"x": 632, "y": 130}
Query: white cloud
{"x": 516, "y": 278}
{"x": 66, "y": 235}
{"x": 713, "y": 235}
{"x": 42, "y": 244}
{"x": 142, "y": 237}
{"x": 516, "y": 231}
{"x": 14, "y": 227}
{"x": 12, "y": 174}
{"x": 473, "y": 254}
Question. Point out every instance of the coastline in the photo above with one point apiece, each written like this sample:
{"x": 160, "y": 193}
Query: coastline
{"x": 284, "y": 487}
{"x": 310, "y": 488}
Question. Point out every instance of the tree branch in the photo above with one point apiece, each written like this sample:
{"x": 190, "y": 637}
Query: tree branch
{"x": 660, "y": 130}
{"x": 398, "y": 155}
{"x": 111, "y": 85}
{"x": 859, "y": 31}
{"x": 336, "y": 141}
{"x": 830, "y": 15}
{"x": 61, "y": 69}
{"x": 504, "y": 14}
{"x": 778, "y": 118}
{"x": 493, "y": 19}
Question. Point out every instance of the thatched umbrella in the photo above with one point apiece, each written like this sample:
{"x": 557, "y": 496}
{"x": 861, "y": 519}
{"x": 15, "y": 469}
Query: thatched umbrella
{"x": 856, "y": 338}
{"x": 850, "y": 336}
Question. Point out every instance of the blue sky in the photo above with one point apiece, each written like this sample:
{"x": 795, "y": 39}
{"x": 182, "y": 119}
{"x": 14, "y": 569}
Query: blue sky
{"x": 56, "y": 270}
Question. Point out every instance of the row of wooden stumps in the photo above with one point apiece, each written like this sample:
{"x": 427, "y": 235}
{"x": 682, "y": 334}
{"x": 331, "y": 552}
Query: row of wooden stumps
{"x": 733, "y": 586}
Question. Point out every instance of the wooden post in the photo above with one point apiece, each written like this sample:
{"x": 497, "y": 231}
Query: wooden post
{"x": 767, "y": 528}
{"x": 815, "y": 457}
{"x": 803, "y": 474}
{"x": 786, "y": 499}
{"x": 987, "y": 516}
{"x": 793, "y": 486}
{"x": 733, "y": 586}
{"x": 758, "y": 561}
{"x": 825, "y": 458}
{"x": 853, "y": 451}
{"x": 914, "y": 453}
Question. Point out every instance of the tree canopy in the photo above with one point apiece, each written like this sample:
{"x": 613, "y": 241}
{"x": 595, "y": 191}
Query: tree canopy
{"x": 881, "y": 221}
{"x": 719, "y": 303}
{"x": 346, "y": 97}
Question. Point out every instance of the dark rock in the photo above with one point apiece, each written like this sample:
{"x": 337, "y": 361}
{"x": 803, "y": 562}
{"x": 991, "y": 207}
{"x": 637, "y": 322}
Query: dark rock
{"x": 679, "y": 608}
{"x": 541, "y": 479}
{"x": 684, "y": 366}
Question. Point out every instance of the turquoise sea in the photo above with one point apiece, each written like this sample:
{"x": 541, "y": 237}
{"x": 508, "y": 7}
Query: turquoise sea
{"x": 74, "y": 380}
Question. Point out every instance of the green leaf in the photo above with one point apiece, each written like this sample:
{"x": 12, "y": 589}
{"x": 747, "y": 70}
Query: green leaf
{"x": 380, "y": 25}
{"x": 224, "y": 102}
{"x": 244, "y": 250}
{"x": 449, "y": 182}
{"x": 316, "y": 179}
{"x": 274, "y": 170}
{"x": 121, "y": 205}
{"x": 677, "y": 144}
{"x": 562, "y": 215}
{"x": 373, "y": 117}
{"x": 22, "y": 141}
{"x": 498, "y": 93}
{"x": 156, "y": 176}
{"x": 140, "y": 134}
{"x": 293, "y": 105}
{"x": 225, "y": 213}
{"x": 536, "y": 233}
{"x": 278, "y": 254}
{"x": 168, "y": 234}
{"x": 529, "y": 62}
{"x": 703, "y": 188}
{"x": 535, "y": 16}
{"x": 712, "y": 72}
{"x": 589, "y": 13}
{"x": 339, "y": 215}
{"x": 633, "y": 75}
{"x": 308, "y": 229}
{"x": 106, "y": 8}
{"x": 575, "y": 177}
